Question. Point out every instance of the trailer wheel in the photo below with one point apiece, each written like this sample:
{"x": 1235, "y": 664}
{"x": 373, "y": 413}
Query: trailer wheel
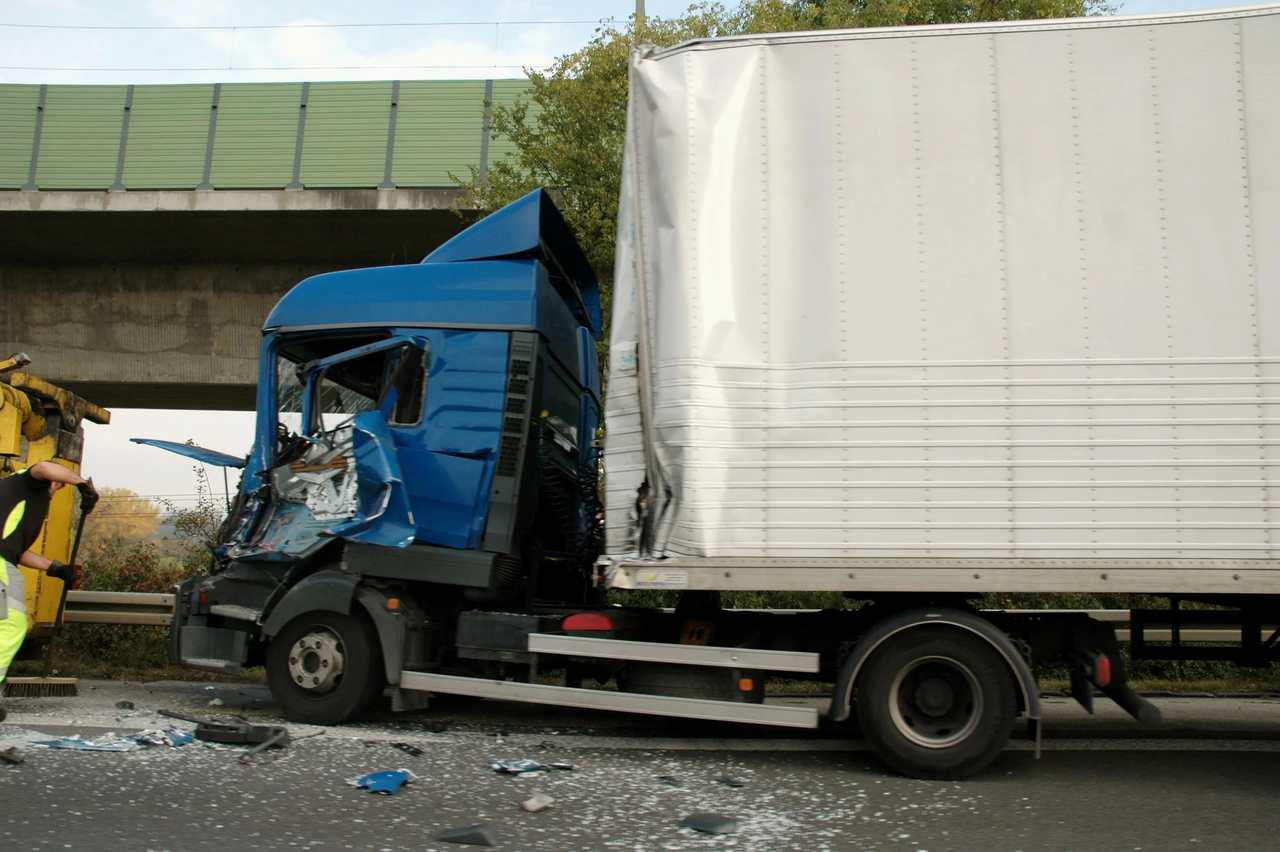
{"x": 325, "y": 668}
{"x": 936, "y": 702}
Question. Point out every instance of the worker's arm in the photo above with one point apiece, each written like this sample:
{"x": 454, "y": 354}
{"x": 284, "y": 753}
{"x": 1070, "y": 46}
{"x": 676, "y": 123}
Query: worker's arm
{"x": 31, "y": 559}
{"x": 54, "y": 472}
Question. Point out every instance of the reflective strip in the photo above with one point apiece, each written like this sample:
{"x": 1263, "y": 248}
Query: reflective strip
{"x": 15, "y": 518}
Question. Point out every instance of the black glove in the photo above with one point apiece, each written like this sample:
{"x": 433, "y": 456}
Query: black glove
{"x": 64, "y": 572}
{"x": 88, "y": 496}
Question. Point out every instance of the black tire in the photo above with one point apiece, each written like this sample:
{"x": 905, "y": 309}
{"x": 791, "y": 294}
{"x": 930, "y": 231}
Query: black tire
{"x": 348, "y": 640}
{"x": 676, "y": 681}
{"x": 937, "y": 702}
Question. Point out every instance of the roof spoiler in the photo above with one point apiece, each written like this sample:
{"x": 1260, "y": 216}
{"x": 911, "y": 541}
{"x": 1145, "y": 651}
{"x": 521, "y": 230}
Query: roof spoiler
{"x": 532, "y": 228}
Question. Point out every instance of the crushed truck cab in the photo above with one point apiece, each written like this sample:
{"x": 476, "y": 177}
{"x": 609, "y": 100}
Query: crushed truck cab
{"x": 427, "y": 424}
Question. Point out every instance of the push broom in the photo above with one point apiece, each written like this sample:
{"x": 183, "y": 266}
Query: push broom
{"x": 47, "y": 686}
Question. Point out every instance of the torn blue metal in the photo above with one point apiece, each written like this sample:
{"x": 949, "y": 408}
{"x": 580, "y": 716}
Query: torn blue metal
{"x": 191, "y": 451}
{"x": 382, "y": 515}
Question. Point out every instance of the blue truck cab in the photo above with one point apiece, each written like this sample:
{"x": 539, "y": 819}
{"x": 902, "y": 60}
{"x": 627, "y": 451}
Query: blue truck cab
{"x": 424, "y": 474}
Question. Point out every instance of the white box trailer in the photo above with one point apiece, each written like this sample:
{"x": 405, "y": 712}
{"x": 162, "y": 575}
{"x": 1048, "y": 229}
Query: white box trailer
{"x": 958, "y": 309}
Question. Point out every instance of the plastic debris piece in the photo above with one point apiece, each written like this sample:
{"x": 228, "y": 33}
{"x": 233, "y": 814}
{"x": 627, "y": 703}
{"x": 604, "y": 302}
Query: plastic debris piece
{"x": 472, "y": 835}
{"x": 518, "y": 767}
{"x": 537, "y": 802}
{"x": 671, "y": 780}
{"x": 111, "y": 742}
{"x": 125, "y": 705}
{"x": 729, "y": 782}
{"x": 389, "y": 781}
{"x": 11, "y": 755}
{"x": 217, "y": 702}
{"x": 168, "y": 737}
{"x": 710, "y": 823}
{"x": 408, "y": 748}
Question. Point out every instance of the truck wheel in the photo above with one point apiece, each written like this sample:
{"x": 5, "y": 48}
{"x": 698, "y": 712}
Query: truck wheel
{"x": 325, "y": 668}
{"x": 677, "y": 681}
{"x": 936, "y": 702}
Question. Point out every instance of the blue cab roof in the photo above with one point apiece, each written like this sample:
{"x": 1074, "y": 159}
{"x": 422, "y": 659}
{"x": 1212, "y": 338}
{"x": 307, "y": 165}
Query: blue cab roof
{"x": 485, "y": 276}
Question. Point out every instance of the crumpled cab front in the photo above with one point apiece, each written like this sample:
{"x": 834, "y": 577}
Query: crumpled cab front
{"x": 386, "y": 437}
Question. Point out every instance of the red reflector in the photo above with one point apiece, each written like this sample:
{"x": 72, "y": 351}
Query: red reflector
{"x": 1102, "y": 670}
{"x": 588, "y": 621}
{"x": 75, "y": 584}
{"x": 204, "y": 597}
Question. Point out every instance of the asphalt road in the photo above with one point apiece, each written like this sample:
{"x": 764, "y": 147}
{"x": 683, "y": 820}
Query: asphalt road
{"x": 1207, "y": 780}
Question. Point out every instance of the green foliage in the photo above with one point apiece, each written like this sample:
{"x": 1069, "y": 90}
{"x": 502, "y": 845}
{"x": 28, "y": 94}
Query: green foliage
{"x": 568, "y": 132}
{"x": 197, "y": 527}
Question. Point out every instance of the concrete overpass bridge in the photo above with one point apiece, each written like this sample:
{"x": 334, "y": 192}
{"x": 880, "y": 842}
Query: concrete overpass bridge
{"x": 146, "y": 231}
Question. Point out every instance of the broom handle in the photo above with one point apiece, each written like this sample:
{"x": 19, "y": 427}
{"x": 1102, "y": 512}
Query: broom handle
{"x": 75, "y": 550}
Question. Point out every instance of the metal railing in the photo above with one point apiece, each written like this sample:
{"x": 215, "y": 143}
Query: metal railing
{"x": 157, "y": 610}
{"x": 119, "y": 608}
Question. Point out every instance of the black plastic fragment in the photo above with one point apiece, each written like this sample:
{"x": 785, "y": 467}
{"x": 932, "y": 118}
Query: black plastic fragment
{"x": 472, "y": 835}
{"x": 710, "y": 823}
{"x": 671, "y": 780}
{"x": 125, "y": 705}
{"x": 408, "y": 748}
{"x": 729, "y": 782}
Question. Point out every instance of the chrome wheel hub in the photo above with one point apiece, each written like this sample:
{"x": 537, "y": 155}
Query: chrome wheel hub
{"x": 316, "y": 661}
{"x": 935, "y": 702}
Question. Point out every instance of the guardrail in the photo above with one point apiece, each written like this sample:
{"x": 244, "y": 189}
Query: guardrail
{"x": 157, "y": 610}
{"x": 119, "y": 608}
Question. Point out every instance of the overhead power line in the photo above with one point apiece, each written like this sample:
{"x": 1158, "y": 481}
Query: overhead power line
{"x": 215, "y": 27}
{"x": 265, "y": 68}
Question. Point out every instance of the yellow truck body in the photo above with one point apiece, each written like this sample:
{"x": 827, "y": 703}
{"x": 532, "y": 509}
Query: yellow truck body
{"x": 42, "y": 422}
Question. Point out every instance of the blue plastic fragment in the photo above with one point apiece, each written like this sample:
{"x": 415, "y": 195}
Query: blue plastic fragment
{"x": 77, "y": 743}
{"x": 388, "y": 782}
{"x": 170, "y": 736}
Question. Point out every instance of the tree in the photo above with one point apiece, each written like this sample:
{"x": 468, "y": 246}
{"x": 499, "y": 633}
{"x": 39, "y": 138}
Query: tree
{"x": 568, "y": 132}
{"x": 122, "y": 513}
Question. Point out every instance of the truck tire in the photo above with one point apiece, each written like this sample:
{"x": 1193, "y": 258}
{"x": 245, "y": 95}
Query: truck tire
{"x": 676, "y": 681}
{"x": 936, "y": 702}
{"x": 325, "y": 668}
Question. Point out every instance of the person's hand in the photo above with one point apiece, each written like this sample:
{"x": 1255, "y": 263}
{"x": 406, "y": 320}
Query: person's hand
{"x": 64, "y": 572}
{"x": 88, "y": 496}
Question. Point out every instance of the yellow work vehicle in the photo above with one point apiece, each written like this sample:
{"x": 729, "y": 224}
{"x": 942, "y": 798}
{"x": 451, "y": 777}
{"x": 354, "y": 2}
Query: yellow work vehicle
{"x": 39, "y": 422}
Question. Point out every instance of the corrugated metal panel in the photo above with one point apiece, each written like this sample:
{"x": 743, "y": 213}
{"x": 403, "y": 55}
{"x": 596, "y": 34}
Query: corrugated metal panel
{"x": 80, "y": 143}
{"x": 17, "y": 125}
{"x": 438, "y": 130}
{"x": 939, "y": 296}
{"x": 505, "y": 92}
{"x": 346, "y": 136}
{"x": 168, "y": 136}
{"x": 257, "y": 135}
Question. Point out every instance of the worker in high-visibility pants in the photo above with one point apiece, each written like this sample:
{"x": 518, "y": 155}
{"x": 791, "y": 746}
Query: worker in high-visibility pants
{"x": 24, "y": 504}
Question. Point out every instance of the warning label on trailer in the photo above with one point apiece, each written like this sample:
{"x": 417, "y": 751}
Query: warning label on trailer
{"x": 661, "y": 580}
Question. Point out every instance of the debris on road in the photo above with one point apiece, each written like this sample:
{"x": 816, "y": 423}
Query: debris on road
{"x": 671, "y": 780}
{"x": 110, "y": 742}
{"x": 537, "y": 802}
{"x": 170, "y": 736}
{"x": 520, "y": 767}
{"x": 710, "y": 823}
{"x": 408, "y": 748}
{"x": 472, "y": 835}
{"x": 234, "y": 733}
{"x": 125, "y": 705}
{"x": 388, "y": 781}
{"x": 11, "y": 755}
{"x": 729, "y": 782}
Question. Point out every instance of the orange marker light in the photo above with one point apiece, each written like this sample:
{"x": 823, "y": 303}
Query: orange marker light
{"x": 746, "y": 684}
{"x": 393, "y": 604}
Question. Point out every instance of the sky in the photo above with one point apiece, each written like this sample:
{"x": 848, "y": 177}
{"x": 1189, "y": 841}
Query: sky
{"x": 180, "y": 41}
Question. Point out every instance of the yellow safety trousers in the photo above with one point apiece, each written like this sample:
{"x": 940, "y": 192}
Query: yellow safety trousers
{"x": 13, "y": 629}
